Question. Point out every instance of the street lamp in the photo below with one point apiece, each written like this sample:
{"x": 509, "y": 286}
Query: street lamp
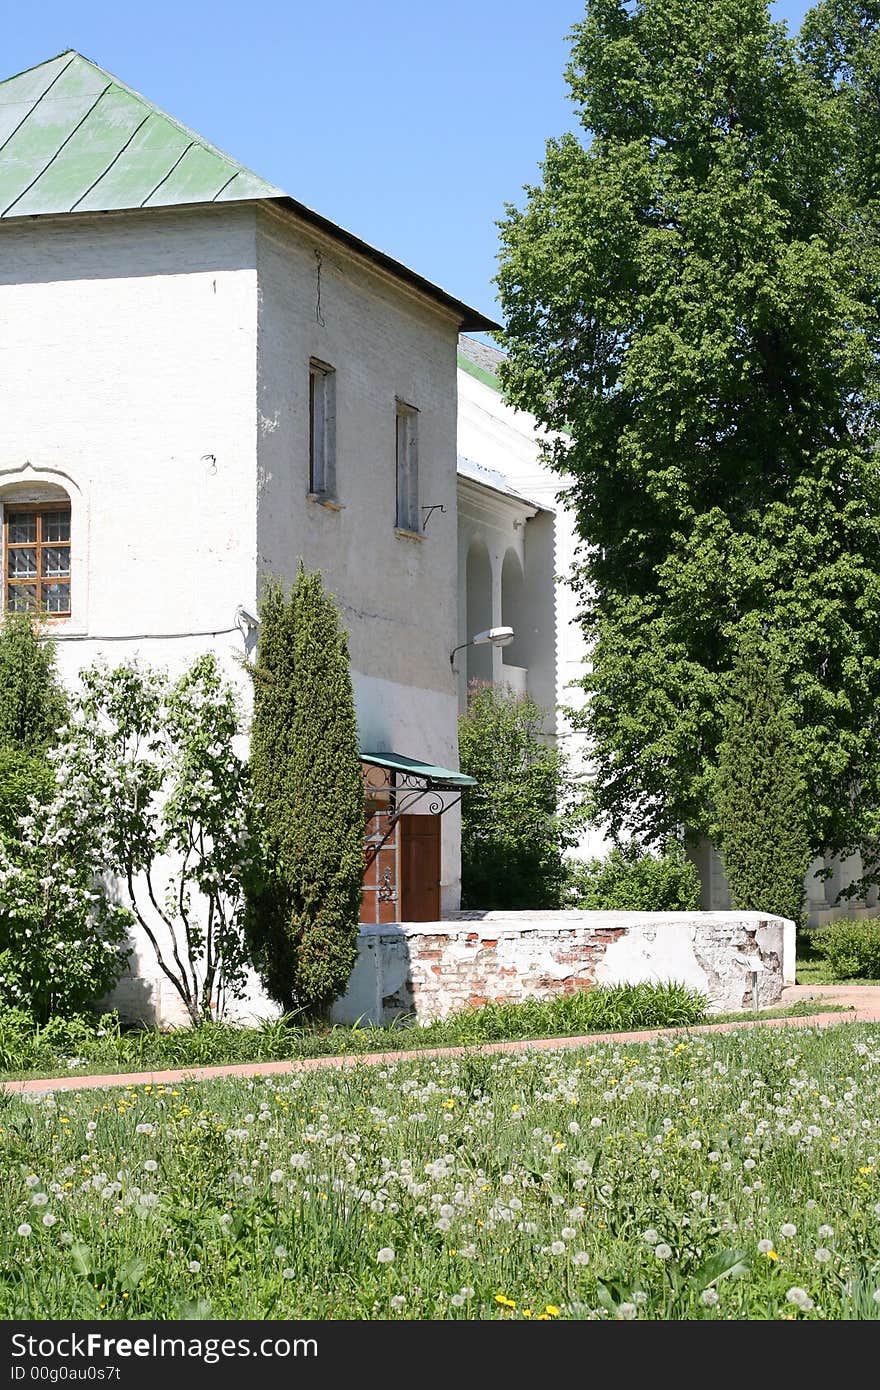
{"x": 498, "y": 636}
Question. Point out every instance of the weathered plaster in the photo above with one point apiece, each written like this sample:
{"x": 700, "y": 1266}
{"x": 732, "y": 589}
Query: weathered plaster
{"x": 437, "y": 968}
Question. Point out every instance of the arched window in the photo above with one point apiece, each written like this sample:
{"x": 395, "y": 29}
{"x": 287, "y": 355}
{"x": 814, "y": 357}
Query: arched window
{"x": 36, "y": 551}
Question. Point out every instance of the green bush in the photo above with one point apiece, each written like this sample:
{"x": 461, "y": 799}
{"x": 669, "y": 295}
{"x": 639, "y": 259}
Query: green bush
{"x": 61, "y": 942}
{"x": 608, "y": 1008}
{"x": 852, "y": 949}
{"x": 631, "y": 880}
{"x": 32, "y": 702}
{"x": 22, "y": 775}
{"x": 513, "y": 823}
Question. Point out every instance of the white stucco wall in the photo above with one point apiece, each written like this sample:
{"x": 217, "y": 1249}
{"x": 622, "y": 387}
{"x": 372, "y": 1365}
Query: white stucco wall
{"x": 127, "y": 377}
{"x": 516, "y": 540}
{"x": 397, "y": 594}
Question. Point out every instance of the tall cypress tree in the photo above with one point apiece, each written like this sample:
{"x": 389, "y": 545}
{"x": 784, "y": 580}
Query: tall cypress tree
{"x": 309, "y": 794}
{"x": 761, "y": 791}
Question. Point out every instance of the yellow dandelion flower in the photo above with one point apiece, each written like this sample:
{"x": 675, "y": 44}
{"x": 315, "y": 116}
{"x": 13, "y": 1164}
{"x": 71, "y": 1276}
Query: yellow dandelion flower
{"x": 772, "y": 1255}
{"x": 551, "y": 1310}
{"x": 527, "y": 1312}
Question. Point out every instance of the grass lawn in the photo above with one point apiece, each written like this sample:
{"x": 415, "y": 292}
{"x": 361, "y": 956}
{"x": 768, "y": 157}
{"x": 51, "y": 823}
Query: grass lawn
{"x": 720, "y": 1176}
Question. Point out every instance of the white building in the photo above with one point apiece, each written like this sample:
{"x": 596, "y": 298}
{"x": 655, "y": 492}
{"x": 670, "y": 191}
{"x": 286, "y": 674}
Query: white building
{"x": 201, "y": 382}
{"x": 517, "y": 548}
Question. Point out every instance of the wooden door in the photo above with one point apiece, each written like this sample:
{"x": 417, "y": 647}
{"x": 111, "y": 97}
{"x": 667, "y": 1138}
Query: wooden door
{"x": 419, "y": 868}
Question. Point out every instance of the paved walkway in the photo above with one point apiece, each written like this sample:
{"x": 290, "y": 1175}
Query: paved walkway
{"x": 862, "y": 1000}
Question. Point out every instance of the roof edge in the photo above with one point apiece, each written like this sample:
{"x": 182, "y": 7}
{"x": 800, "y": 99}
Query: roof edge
{"x": 470, "y": 319}
{"x": 509, "y": 494}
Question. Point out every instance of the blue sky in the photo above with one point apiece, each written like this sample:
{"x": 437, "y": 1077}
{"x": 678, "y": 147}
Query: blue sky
{"x": 410, "y": 124}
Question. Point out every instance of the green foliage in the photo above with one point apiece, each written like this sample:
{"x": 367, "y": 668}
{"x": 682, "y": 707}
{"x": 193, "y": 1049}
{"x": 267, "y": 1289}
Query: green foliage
{"x": 513, "y": 833}
{"x": 607, "y": 1009}
{"x": 22, "y": 776}
{"x": 32, "y": 702}
{"x": 691, "y": 296}
{"x": 852, "y": 948}
{"x": 308, "y": 789}
{"x": 631, "y": 880}
{"x": 61, "y": 940}
{"x": 761, "y": 791}
{"x": 840, "y": 51}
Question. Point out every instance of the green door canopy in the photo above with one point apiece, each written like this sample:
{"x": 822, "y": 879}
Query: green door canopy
{"x": 440, "y": 779}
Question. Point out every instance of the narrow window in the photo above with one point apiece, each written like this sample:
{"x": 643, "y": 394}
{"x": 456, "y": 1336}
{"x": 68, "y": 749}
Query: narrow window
{"x": 408, "y": 467}
{"x": 322, "y": 430}
{"x": 37, "y": 553}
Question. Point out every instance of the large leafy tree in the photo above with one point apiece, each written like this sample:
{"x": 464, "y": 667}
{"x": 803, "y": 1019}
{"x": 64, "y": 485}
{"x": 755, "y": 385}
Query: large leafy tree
{"x": 691, "y": 299}
{"x": 303, "y": 910}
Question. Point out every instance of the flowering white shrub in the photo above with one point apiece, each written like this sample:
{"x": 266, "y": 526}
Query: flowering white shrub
{"x": 61, "y": 940}
{"x": 149, "y": 767}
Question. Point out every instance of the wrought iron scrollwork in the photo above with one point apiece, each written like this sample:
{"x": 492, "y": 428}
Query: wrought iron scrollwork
{"x": 405, "y": 790}
{"x": 387, "y": 889}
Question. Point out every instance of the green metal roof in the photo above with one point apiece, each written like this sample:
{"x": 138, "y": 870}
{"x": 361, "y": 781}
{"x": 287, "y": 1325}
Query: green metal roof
{"x": 437, "y": 778}
{"x": 73, "y": 138}
{"x": 479, "y": 372}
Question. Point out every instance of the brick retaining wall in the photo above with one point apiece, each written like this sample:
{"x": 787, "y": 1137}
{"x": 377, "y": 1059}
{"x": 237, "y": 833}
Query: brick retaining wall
{"x": 436, "y": 968}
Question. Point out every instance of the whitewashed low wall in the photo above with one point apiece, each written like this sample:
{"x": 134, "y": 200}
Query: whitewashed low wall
{"x": 436, "y": 968}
